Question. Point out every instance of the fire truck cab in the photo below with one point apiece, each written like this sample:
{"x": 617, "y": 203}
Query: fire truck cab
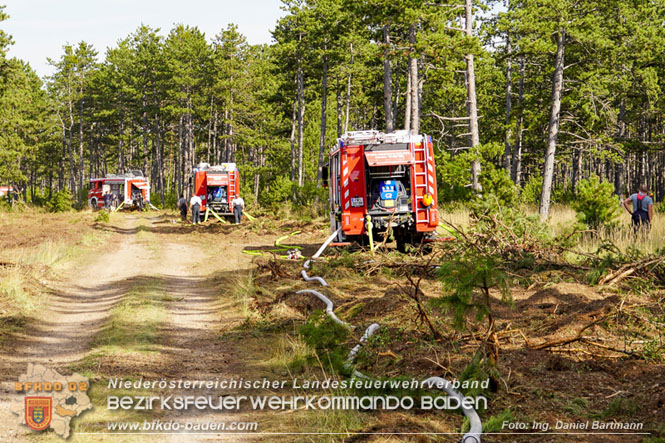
{"x": 130, "y": 189}
{"x": 217, "y": 186}
{"x": 388, "y": 179}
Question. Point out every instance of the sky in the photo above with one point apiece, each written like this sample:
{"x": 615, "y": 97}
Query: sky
{"x": 40, "y": 28}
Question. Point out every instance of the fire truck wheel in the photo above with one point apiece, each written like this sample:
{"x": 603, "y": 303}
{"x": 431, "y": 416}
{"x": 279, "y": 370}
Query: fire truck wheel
{"x": 93, "y": 204}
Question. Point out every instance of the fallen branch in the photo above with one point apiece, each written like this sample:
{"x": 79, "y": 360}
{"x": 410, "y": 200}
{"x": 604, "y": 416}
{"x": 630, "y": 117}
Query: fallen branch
{"x": 577, "y": 337}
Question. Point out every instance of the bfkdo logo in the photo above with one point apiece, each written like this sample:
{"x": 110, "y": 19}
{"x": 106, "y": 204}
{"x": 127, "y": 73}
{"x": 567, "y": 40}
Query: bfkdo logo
{"x": 38, "y": 412}
{"x": 50, "y": 400}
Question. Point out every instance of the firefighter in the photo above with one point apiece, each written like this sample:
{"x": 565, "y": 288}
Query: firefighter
{"x": 642, "y": 209}
{"x": 182, "y": 205}
{"x": 238, "y": 205}
{"x": 107, "y": 200}
{"x": 195, "y": 204}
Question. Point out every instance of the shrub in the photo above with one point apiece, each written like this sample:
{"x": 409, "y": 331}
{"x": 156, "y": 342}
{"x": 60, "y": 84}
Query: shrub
{"x": 489, "y": 216}
{"x": 102, "y": 217}
{"x": 327, "y": 338}
{"x": 563, "y": 194}
{"x": 596, "y": 204}
{"x": 60, "y": 202}
{"x": 467, "y": 280}
{"x": 40, "y": 197}
{"x": 498, "y": 183}
{"x": 280, "y": 192}
{"x": 532, "y": 190}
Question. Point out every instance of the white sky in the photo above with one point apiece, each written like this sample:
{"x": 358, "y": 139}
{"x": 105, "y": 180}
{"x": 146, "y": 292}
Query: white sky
{"x": 41, "y": 27}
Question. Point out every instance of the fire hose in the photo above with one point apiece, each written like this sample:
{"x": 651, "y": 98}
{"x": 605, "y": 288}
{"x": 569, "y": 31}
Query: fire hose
{"x": 475, "y": 430}
{"x": 290, "y": 250}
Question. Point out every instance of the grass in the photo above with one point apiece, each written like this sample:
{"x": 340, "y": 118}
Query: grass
{"x": 133, "y": 327}
{"x": 243, "y": 289}
{"x": 23, "y": 284}
{"x": 290, "y": 353}
{"x": 134, "y": 323}
{"x": 562, "y": 216}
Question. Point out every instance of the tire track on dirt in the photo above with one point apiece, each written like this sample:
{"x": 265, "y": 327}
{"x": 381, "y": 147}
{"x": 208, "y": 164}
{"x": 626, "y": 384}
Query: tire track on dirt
{"x": 198, "y": 317}
{"x": 78, "y": 306}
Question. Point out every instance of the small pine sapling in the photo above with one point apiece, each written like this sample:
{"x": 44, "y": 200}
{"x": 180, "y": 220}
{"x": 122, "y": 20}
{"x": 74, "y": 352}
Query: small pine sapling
{"x": 596, "y": 204}
{"x": 467, "y": 281}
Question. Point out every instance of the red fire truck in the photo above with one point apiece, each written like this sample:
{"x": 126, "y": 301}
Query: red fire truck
{"x": 217, "y": 186}
{"x": 130, "y": 189}
{"x": 388, "y": 179}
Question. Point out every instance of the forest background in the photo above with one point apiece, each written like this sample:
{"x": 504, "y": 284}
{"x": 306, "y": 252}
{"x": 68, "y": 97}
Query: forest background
{"x": 524, "y": 99}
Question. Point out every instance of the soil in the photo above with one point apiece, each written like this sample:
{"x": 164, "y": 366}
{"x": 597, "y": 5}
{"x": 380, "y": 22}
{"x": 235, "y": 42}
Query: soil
{"x": 80, "y": 301}
{"x": 201, "y": 268}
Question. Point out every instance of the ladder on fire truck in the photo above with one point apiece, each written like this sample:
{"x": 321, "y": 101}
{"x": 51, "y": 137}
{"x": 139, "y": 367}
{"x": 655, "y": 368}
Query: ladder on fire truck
{"x": 232, "y": 187}
{"x": 422, "y": 179}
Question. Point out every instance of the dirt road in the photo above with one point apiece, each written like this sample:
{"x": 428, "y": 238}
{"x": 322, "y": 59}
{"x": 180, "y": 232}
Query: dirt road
{"x": 146, "y": 249}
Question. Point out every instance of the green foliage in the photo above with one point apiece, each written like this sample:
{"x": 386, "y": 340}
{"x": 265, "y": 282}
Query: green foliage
{"x": 596, "y": 204}
{"x": 467, "y": 280}
{"x": 453, "y": 176}
{"x": 328, "y": 339}
{"x": 308, "y": 193}
{"x": 532, "y": 190}
{"x": 563, "y": 194}
{"x": 497, "y": 183}
{"x": 40, "y": 198}
{"x": 489, "y": 216}
{"x": 102, "y": 217}
{"x": 494, "y": 424}
{"x": 620, "y": 407}
{"x": 281, "y": 190}
{"x": 60, "y": 202}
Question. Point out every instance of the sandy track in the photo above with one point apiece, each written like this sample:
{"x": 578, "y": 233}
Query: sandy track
{"x": 81, "y": 301}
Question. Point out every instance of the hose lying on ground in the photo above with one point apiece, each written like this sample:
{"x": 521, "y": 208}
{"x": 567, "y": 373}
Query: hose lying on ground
{"x": 279, "y": 248}
{"x": 329, "y": 305}
{"x": 476, "y": 428}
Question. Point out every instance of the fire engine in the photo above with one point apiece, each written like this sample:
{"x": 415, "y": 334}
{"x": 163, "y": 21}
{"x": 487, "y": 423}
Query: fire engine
{"x": 388, "y": 179}
{"x": 217, "y": 186}
{"x": 130, "y": 189}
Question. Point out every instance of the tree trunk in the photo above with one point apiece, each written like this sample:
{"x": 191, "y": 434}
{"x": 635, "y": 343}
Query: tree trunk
{"x": 215, "y": 145}
{"x": 619, "y": 171}
{"x": 577, "y": 169}
{"x": 227, "y": 140}
{"x": 324, "y": 110}
{"x": 516, "y": 166}
{"x": 210, "y": 132}
{"x": 509, "y": 102}
{"x": 387, "y": 81}
{"x": 292, "y": 139}
{"x": 413, "y": 69}
{"x": 553, "y": 130}
{"x": 301, "y": 121}
{"x": 407, "y": 102}
{"x": 338, "y": 103}
{"x": 121, "y": 158}
{"x": 180, "y": 160}
{"x": 144, "y": 127}
{"x": 63, "y": 159}
{"x": 72, "y": 176}
{"x": 159, "y": 153}
{"x": 472, "y": 108}
{"x": 80, "y": 168}
{"x": 348, "y": 91}
{"x": 395, "y": 98}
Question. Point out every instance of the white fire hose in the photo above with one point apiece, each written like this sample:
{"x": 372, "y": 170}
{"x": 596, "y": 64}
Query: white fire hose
{"x": 476, "y": 427}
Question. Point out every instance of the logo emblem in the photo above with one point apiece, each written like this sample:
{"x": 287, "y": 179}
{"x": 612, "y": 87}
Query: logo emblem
{"x": 38, "y": 412}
